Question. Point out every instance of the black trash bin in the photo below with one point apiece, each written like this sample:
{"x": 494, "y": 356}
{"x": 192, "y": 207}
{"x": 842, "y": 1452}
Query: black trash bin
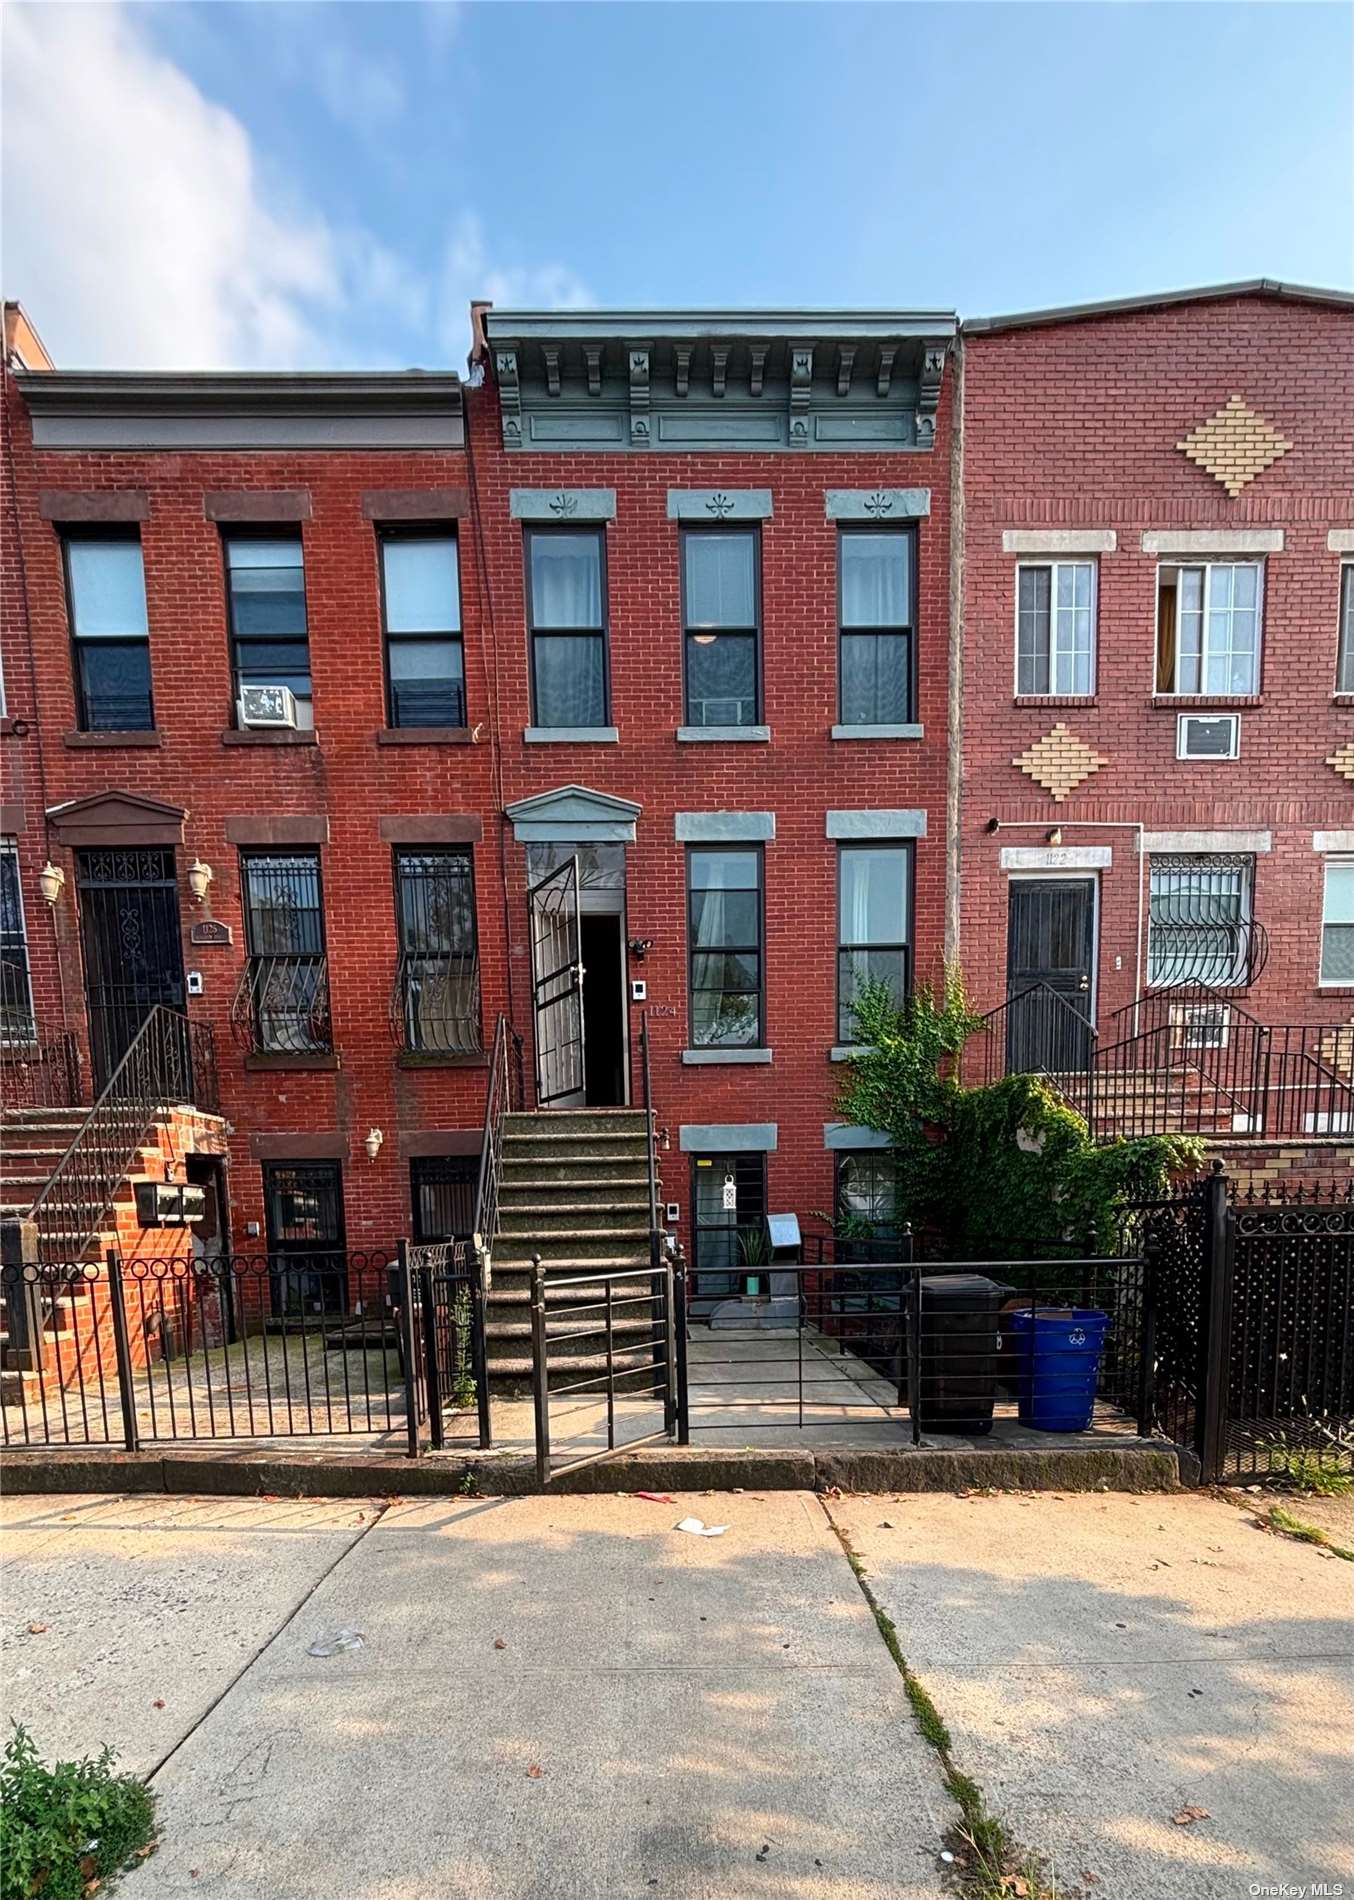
{"x": 960, "y": 1341}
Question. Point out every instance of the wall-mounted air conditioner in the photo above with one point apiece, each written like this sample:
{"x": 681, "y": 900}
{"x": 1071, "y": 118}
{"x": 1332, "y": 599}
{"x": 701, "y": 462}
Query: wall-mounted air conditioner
{"x": 1208, "y": 736}
{"x": 267, "y": 705}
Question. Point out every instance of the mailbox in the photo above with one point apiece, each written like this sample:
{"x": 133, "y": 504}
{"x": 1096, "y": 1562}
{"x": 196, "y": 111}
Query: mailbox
{"x": 169, "y": 1204}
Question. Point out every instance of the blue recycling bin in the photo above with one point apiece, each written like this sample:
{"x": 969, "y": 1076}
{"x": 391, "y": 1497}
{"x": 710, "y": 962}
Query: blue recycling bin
{"x": 1058, "y": 1352}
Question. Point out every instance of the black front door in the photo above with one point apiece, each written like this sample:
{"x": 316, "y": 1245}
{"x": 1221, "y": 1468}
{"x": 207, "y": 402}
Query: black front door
{"x": 132, "y": 946}
{"x": 1050, "y": 960}
{"x": 307, "y": 1260}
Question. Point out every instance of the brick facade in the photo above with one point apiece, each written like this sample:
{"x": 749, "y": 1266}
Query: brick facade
{"x": 1075, "y": 426}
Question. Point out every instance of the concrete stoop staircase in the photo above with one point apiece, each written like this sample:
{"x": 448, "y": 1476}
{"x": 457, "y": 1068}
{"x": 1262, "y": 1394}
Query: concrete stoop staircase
{"x": 575, "y": 1190}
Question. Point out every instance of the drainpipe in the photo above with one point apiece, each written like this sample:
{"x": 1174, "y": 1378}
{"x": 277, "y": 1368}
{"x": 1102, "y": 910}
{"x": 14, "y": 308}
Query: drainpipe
{"x": 1095, "y": 824}
{"x": 954, "y": 762}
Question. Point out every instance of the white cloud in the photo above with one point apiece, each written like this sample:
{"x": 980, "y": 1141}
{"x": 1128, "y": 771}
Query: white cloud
{"x": 467, "y": 272}
{"x": 142, "y": 229}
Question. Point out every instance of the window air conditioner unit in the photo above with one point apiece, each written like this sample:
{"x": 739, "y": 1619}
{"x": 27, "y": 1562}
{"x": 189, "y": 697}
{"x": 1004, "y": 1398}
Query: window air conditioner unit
{"x": 267, "y": 706}
{"x": 1208, "y": 736}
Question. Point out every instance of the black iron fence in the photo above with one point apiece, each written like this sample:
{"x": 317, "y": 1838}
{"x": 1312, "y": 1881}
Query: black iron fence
{"x": 41, "y": 1075}
{"x": 612, "y": 1375}
{"x": 383, "y": 1344}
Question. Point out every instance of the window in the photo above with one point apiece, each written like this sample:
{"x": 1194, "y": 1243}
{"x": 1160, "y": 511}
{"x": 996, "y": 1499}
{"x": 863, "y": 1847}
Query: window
{"x": 269, "y": 646}
{"x": 725, "y": 934}
{"x": 17, "y": 1022}
{"x": 721, "y": 613}
{"x": 307, "y": 1257}
{"x": 421, "y": 604}
{"x": 1337, "y": 923}
{"x": 1208, "y": 629}
{"x": 1055, "y": 627}
{"x": 442, "y": 1190}
{"x": 729, "y": 1239}
{"x": 285, "y": 992}
{"x": 867, "y": 1200}
{"x": 875, "y": 570}
{"x": 438, "y": 984}
{"x": 566, "y": 612}
{"x": 1199, "y": 920}
{"x": 873, "y": 902}
{"x": 106, "y": 592}
{"x": 1344, "y": 677}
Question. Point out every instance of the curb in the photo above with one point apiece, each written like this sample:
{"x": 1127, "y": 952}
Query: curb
{"x": 1144, "y": 1465}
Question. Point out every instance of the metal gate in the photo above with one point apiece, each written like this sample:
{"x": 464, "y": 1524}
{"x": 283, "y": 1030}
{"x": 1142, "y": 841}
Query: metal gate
{"x": 557, "y": 986}
{"x": 132, "y": 947}
{"x": 613, "y": 1383}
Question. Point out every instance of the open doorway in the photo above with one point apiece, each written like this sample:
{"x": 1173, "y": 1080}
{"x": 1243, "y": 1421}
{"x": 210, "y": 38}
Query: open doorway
{"x": 604, "y": 1010}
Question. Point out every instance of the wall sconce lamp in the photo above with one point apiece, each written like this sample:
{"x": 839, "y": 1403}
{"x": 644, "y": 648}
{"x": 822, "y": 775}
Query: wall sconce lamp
{"x": 51, "y": 882}
{"x": 199, "y": 879}
{"x": 640, "y": 948}
{"x": 373, "y": 1143}
{"x": 1055, "y": 836}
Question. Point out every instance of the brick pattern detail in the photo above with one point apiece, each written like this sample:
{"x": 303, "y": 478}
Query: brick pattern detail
{"x": 1342, "y": 760}
{"x": 1059, "y": 761}
{"x": 1235, "y": 445}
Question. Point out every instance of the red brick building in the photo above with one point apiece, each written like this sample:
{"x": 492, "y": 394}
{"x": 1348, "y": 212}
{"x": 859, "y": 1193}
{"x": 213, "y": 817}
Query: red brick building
{"x": 1157, "y": 690}
{"x": 668, "y": 591}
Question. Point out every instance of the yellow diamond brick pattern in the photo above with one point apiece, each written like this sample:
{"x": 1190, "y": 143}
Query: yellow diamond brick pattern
{"x": 1059, "y": 761}
{"x": 1235, "y": 445}
{"x": 1342, "y": 761}
{"x": 1337, "y": 1048}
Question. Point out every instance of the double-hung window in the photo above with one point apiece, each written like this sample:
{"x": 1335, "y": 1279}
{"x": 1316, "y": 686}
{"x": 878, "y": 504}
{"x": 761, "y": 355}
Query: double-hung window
{"x": 439, "y": 985}
{"x": 566, "y": 613}
{"x": 1199, "y": 918}
{"x": 106, "y": 592}
{"x": 867, "y": 1203}
{"x": 421, "y": 605}
{"x": 1055, "y": 627}
{"x": 1208, "y": 628}
{"x": 269, "y": 643}
{"x": 724, "y": 902}
{"x": 721, "y": 610}
{"x": 285, "y": 993}
{"x": 876, "y": 586}
{"x": 873, "y": 926}
{"x": 1344, "y": 676}
{"x": 1337, "y": 923}
{"x": 16, "y": 995}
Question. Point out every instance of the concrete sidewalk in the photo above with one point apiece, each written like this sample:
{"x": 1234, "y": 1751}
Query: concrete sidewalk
{"x": 1105, "y": 1663}
{"x": 669, "y": 1714}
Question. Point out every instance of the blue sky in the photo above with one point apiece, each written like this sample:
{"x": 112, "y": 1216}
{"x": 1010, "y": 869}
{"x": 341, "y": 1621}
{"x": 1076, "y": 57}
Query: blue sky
{"x": 328, "y": 184}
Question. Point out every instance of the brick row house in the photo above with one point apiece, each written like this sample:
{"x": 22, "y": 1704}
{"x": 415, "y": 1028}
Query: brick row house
{"x": 732, "y": 657}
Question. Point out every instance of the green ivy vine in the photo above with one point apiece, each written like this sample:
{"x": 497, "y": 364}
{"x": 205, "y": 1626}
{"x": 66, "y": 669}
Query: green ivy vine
{"x": 1009, "y": 1168}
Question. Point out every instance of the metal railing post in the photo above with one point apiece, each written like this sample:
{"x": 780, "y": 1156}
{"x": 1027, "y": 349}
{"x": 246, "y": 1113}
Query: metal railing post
{"x": 1147, "y": 1341}
{"x": 679, "y": 1295}
{"x": 669, "y": 1352}
{"x": 432, "y": 1370}
{"x": 914, "y": 1355}
{"x": 907, "y": 1248}
{"x": 408, "y": 1348}
{"x": 479, "y": 1359}
{"x": 540, "y": 1371}
{"x": 122, "y": 1349}
{"x": 1215, "y": 1327}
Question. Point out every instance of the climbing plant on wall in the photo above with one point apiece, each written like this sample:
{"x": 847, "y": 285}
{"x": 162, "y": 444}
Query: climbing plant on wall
{"x": 1006, "y": 1168}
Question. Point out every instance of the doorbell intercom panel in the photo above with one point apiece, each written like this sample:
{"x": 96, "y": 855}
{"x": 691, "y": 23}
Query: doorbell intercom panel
{"x": 639, "y": 990}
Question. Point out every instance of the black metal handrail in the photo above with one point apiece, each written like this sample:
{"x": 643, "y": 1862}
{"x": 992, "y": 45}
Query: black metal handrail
{"x": 1174, "y": 1002}
{"x": 503, "y": 1094}
{"x": 41, "y": 1075}
{"x": 435, "y": 1004}
{"x": 281, "y": 1006}
{"x": 169, "y": 1061}
{"x": 1045, "y": 1019}
{"x": 651, "y": 1141}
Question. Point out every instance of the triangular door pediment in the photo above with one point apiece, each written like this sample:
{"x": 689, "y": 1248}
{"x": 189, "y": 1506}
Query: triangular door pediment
{"x": 574, "y": 811}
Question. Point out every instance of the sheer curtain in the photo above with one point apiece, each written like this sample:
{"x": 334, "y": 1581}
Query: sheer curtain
{"x": 566, "y": 581}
